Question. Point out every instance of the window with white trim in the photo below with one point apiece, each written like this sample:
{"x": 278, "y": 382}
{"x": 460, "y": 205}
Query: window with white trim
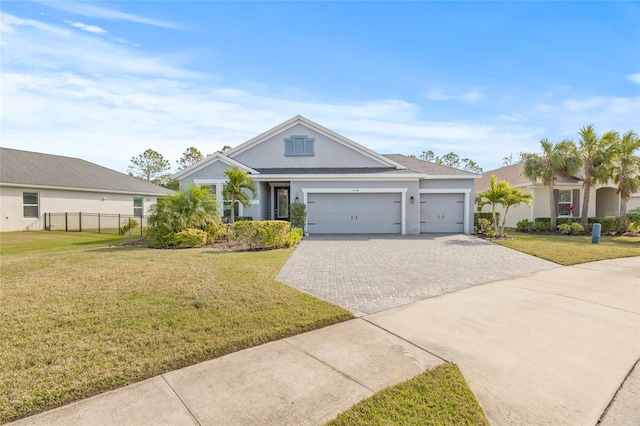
{"x": 565, "y": 202}
{"x": 30, "y": 205}
{"x": 138, "y": 206}
{"x": 298, "y": 145}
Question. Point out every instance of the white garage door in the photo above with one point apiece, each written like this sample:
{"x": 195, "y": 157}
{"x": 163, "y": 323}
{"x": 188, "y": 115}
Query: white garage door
{"x": 442, "y": 213}
{"x": 354, "y": 213}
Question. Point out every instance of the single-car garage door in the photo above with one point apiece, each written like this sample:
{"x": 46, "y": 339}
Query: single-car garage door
{"x": 353, "y": 213}
{"x": 442, "y": 213}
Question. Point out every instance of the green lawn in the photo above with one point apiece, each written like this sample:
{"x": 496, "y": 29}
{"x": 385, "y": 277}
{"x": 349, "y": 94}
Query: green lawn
{"x": 439, "y": 396}
{"x": 572, "y": 249}
{"x": 80, "y": 316}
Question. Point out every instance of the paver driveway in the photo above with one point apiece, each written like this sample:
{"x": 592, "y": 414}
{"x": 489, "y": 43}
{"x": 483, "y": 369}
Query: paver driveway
{"x": 371, "y": 273}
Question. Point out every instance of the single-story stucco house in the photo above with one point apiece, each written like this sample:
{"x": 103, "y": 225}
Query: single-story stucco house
{"x": 32, "y": 184}
{"x": 568, "y": 193}
{"x": 346, "y": 187}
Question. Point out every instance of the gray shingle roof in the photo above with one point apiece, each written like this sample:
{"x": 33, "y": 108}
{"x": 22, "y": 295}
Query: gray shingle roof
{"x": 324, "y": 170}
{"x": 514, "y": 174}
{"x": 45, "y": 170}
{"x": 425, "y": 167}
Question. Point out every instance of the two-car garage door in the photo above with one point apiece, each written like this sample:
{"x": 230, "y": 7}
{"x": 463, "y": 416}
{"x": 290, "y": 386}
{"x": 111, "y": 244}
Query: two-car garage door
{"x": 354, "y": 213}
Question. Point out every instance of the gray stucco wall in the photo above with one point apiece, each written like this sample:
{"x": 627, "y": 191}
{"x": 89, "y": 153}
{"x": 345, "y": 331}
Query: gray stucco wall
{"x": 212, "y": 171}
{"x": 328, "y": 153}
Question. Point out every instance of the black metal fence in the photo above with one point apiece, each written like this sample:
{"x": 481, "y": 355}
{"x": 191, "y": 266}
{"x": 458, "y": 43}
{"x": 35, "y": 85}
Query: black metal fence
{"x": 101, "y": 223}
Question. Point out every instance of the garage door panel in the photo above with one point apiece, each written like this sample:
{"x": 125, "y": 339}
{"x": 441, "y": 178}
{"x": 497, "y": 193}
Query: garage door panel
{"x": 442, "y": 213}
{"x": 354, "y": 213}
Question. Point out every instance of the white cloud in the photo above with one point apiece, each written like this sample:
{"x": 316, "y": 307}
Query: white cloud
{"x": 95, "y": 11}
{"x": 9, "y": 20}
{"x": 439, "y": 95}
{"x": 579, "y": 105}
{"x": 88, "y": 28}
{"x": 634, "y": 78}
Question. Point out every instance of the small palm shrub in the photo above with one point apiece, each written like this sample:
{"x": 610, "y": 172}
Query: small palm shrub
{"x": 193, "y": 207}
{"x": 128, "y": 226}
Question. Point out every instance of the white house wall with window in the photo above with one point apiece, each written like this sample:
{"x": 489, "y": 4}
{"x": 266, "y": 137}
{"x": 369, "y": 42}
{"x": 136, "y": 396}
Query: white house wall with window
{"x": 32, "y": 184}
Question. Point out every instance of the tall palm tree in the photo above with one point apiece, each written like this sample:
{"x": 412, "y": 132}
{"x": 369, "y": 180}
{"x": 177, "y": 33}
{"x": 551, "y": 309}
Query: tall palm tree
{"x": 595, "y": 153}
{"x": 626, "y": 170}
{"x": 493, "y": 195}
{"x": 514, "y": 197}
{"x": 556, "y": 159}
{"x": 234, "y": 189}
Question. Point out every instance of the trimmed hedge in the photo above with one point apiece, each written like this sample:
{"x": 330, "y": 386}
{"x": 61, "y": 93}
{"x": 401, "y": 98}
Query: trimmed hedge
{"x": 609, "y": 223}
{"x": 191, "y": 237}
{"x": 262, "y": 234}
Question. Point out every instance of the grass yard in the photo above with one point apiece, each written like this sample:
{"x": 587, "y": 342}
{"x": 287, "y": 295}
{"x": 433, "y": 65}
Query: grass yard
{"x": 572, "y": 249}
{"x": 80, "y": 317}
{"x": 439, "y": 396}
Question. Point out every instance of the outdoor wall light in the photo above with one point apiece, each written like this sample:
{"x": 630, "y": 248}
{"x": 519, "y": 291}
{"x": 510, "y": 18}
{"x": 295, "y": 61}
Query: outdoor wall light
{"x": 413, "y": 200}
{"x": 297, "y": 200}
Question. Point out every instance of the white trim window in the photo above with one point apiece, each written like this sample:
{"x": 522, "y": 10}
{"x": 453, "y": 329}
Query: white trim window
{"x": 138, "y": 206}
{"x": 565, "y": 206}
{"x": 30, "y": 205}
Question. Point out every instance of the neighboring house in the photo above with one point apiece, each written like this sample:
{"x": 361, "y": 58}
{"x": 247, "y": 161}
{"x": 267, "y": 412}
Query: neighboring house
{"x": 32, "y": 184}
{"x": 346, "y": 187}
{"x": 568, "y": 194}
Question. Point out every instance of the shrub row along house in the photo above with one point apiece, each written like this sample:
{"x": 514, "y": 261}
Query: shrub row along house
{"x": 346, "y": 187}
{"x": 32, "y": 184}
{"x": 568, "y": 195}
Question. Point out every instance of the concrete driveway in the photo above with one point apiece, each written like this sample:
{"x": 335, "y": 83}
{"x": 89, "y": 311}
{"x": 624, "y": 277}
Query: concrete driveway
{"x": 372, "y": 273}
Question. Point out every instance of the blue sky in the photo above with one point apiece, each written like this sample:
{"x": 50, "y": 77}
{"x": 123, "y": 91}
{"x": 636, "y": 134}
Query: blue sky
{"x": 104, "y": 81}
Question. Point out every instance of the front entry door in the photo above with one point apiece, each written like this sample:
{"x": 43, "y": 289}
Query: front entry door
{"x": 281, "y": 202}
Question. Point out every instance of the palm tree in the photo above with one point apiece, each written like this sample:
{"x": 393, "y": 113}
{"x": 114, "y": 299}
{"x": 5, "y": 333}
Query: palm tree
{"x": 514, "y": 197}
{"x": 193, "y": 207}
{"x": 556, "y": 159}
{"x": 493, "y": 195}
{"x": 595, "y": 153}
{"x": 626, "y": 170}
{"x": 234, "y": 189}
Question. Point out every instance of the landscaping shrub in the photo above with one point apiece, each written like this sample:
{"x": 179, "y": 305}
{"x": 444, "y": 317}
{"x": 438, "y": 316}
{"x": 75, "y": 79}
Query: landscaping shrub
{"x": 485, "y": 215}
{"x": 190, "y": 237}
{"x": 128, "y": 226}
{"x": 293, "y": 237}
{"x": 157, "y": 237}
{"x": 633, "y": 220}
{"x": 483, "y": 226}
{"x": 542, "y": 225}
{"x": 609, "y": 223}
{"x": 262, "y": 234}
{"x": 298, "y": 214}
{"x": 218, "y": 232}
{"x": 571, "y": 228}
{"x": 525, "y": 225}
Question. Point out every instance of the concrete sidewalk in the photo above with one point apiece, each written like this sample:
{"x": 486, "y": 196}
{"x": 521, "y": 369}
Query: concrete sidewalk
{"x": 551, "y": 347}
